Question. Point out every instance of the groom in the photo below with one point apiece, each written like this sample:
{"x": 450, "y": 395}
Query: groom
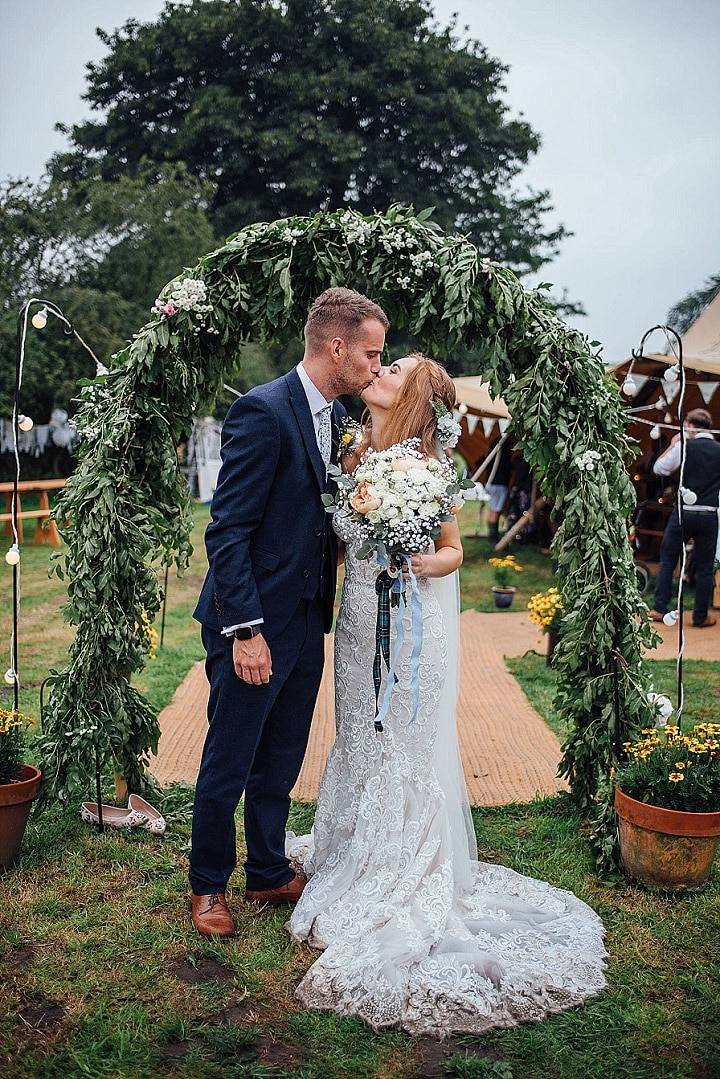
{"x": 266, "y": 601}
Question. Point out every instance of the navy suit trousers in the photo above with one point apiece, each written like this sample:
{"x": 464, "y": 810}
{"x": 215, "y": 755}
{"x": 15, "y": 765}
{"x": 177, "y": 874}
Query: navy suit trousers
{"x": 703, "y": 529}
{"x": 256, "y": 741}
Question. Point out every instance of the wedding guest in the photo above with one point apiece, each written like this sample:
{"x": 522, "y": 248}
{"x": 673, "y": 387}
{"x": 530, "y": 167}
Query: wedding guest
{"x": 701, "y": 477}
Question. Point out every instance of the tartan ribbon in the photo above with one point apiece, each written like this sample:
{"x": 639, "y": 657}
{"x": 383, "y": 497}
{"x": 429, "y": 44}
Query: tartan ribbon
{"x": 391, "y": 592}
{"x": 383, "y": 587}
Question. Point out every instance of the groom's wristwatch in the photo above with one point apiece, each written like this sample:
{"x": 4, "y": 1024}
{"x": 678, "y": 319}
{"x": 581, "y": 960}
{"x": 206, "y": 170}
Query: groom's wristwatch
{"x": 246, "y": 632}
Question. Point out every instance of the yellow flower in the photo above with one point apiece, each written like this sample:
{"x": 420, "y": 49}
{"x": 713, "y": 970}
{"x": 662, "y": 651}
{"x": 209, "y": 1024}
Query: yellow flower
{"x": 545, "y": 608}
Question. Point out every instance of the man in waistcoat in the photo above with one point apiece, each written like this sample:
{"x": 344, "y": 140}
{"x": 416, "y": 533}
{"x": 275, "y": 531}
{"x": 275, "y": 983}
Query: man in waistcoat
{"x": 701, "y": 476}
{"x": 266, "y": 601}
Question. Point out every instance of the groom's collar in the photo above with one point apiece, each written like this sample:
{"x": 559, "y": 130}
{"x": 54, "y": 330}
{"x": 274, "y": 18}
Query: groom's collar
{"x": 316, "y": 400}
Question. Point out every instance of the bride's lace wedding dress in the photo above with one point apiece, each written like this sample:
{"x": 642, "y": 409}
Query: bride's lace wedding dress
{"x": 415, "y": 932}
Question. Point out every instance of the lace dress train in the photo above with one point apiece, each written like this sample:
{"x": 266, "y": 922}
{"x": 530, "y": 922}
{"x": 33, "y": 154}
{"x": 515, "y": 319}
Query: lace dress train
{"x": 414, "y": 932}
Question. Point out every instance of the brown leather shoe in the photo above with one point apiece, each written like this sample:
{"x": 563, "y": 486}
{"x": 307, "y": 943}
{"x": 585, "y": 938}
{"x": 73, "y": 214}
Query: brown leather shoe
{"x": 211, "y": 916}
{"x": 655, "y": 616}
{"x": 704, "y": 625}
{"x": 275, "y": 897}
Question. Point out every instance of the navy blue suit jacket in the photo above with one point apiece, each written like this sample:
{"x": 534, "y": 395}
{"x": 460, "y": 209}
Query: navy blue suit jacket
{"x": 269, "y": 544}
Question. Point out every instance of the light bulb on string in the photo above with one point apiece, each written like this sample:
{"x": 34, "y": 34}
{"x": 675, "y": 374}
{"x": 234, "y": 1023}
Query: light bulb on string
{"x": 668, "y": 418}
{"x": 655, "y": 432}
{"x": 662, "y": 706}
{"x": 25, "y": 423}
{"x": 462, "y": 408}
{"x": 660, "y": 404}
{"x": 13, "y": 555}
{"x": 10, "y": 676}
{"x": 39, "y": 319}
{"x": 689, "y": 497}
{"x": 672, "y": 374}
{"x": 670, "y": 619}
{"x": 629, "y": 387}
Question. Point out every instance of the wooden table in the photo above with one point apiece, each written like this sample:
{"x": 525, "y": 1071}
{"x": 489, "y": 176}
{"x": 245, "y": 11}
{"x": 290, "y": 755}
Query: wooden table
{"x": 45, "y": 530}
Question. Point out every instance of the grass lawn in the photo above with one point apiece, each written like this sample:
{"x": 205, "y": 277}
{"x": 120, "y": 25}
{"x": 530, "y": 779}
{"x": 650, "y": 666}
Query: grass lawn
{"x": 103, "y": 976}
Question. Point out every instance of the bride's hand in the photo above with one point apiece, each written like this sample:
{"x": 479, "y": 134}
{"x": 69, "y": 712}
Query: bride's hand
{"x": 419, "y": 566}
{"x": 446, "y": 557}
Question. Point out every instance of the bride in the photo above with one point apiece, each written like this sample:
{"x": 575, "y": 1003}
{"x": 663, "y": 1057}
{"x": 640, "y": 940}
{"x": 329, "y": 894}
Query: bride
{"x": 414, "y": 931}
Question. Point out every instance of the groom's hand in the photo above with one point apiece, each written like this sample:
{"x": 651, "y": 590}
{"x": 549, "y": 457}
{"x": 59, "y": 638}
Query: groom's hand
{"x": 252, "y": 660}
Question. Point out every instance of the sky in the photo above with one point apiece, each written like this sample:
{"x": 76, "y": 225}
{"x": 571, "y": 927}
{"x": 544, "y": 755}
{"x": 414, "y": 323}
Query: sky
{"x": 624, "y": 94}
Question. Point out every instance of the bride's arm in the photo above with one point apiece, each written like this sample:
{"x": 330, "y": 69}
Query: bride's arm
{"x": 447, "y": 556}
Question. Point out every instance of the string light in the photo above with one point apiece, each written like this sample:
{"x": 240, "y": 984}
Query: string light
{"x": 13, "y": 555}
{"x": 689, "y": 497}
{"x": 670, "y": 619}
{"x": 672, "y": 374}
{"x": 655, "y": 432}
{"x": 629, "y": 386}
{"x": 462, "y": 408}
{"x": 25, "y": 423}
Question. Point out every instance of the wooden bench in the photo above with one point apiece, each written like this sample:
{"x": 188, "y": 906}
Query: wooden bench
{"x": 45, "y": 529}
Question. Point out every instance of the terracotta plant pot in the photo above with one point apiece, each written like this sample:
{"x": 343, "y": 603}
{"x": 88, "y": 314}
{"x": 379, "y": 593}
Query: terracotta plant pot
{"x": 666, "y": 848}
{"x": 15, "y": 802}
{"x": 503, "y": 596}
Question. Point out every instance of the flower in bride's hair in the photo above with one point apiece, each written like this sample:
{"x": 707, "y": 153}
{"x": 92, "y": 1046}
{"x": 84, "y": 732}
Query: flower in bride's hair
{"x": 448, "y": 429}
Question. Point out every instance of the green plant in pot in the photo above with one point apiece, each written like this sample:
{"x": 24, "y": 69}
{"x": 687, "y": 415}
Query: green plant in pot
{"x": 19, "y": 785}
{"x": 667, "y": 801}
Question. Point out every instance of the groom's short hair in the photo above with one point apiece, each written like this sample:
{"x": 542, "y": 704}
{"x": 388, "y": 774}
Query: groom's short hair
{"x": 340, "y": 311}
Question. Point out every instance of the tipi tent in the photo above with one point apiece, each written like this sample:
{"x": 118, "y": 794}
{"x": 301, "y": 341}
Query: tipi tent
{"x": 653, "y": 401}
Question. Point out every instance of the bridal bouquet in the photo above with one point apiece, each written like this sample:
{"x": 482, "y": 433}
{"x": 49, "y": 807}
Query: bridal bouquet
{"x": 397, "y": 499}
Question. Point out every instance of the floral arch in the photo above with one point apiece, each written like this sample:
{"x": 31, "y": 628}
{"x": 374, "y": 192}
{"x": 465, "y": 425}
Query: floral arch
{"x": 128, "y": 511}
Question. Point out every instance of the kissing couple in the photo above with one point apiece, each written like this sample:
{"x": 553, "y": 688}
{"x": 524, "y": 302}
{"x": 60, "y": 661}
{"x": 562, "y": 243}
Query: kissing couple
{"x": 414, "y": 932}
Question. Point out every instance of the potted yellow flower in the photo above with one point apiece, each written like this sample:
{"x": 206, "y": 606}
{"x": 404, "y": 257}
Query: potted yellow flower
{"x": 503, "y": 591}
{"x": 547, "y": 610}
{"x": 667, "y": 801}
{"x": 19, "y": 785}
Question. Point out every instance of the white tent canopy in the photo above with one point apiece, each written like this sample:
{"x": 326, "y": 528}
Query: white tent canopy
{"x": 700, "y": 344}
{"x": 475, "y": 393}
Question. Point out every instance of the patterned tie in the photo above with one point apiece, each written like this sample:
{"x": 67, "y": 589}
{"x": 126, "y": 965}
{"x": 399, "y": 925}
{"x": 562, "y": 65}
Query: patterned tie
{"x": 325, "y": 434}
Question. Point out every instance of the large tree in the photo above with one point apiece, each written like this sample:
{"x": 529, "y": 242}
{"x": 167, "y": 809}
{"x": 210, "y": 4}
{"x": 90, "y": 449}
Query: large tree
{"x": 101, "y": 251}
{"x": 284, "y": 107}
{"x": 688, "y": 310}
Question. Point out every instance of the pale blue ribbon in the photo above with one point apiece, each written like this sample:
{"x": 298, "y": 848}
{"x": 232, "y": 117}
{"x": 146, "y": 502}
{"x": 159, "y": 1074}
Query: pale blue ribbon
{"x": 398, "y": 587}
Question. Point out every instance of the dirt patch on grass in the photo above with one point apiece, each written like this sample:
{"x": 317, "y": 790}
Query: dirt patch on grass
{"x": 199, "y": 969}
{"x": 433, "y": 1055}
{"x": 23, "y": 955}
{"x": 277, "y": 1054}
{"x": 40, "y": 1013}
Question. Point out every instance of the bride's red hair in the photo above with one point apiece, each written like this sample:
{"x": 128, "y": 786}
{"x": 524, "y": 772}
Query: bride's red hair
{"x": 412, "y": 415}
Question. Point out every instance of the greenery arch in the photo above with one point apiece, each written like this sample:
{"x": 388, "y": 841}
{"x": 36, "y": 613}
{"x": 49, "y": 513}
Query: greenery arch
{"x": 128, "y": 511}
